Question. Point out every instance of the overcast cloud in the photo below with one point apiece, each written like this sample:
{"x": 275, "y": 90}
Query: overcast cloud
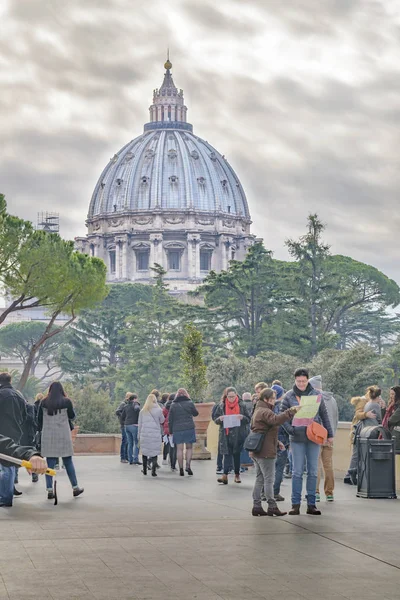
{"x": 302, "y": 97}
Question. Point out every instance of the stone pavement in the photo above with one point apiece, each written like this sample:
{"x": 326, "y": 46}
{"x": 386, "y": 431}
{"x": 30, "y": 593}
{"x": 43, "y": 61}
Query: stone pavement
{"x": 176, "y": 538}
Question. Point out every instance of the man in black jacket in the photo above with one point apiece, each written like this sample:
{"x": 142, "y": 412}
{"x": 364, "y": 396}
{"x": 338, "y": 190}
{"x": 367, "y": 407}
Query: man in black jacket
{"x": 12, "y": 417}
{"x": 8, "y": 447}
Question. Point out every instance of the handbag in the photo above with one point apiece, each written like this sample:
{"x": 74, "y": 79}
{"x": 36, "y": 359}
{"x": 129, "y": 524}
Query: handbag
{"x": 317, "y": 433}
{"x": 254, "y": 442}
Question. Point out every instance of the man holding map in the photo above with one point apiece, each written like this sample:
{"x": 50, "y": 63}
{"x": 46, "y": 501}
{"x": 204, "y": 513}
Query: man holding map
{"x": 313, "y": 409}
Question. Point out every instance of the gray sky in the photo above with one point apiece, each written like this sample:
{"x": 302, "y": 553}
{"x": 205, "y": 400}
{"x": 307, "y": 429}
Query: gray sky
{"x": 302, "y": 97}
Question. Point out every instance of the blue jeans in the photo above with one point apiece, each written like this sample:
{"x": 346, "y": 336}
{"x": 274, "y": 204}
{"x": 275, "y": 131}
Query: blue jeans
{"x": 132, "y": 433}
{"x": 219, "y": 461}
{"x": 69, "y": 467}
{"x": 124, "y": 444}
{"x": 300, "y": 452}
{"x": 7, "y": 477}
{"x": 280, "y": 464}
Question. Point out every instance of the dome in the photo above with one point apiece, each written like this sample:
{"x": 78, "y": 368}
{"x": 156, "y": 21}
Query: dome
{"x": 168, "y": 169}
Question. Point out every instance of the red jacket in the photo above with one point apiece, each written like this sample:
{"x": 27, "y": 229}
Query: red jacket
{"x": 166, "y": 425}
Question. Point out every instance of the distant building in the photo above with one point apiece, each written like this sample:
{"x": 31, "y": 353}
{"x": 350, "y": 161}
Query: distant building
{"x": 167, "y": 197}
{"x": 48, "y": 221}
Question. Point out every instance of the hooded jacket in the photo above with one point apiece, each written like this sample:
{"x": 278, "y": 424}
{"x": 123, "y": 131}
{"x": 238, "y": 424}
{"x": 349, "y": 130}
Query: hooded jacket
{"x": 265, "y": 420}
{"x": 299, "y": 434}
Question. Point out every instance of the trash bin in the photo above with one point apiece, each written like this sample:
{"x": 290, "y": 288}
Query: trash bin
{"x": 376, "y": 476}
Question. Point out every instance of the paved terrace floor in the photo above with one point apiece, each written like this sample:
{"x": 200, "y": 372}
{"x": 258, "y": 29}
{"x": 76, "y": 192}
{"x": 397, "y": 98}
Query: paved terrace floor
{"x": 188, "y": 538}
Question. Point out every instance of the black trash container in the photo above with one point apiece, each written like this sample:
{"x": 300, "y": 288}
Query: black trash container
{"x": 376, "y": 475}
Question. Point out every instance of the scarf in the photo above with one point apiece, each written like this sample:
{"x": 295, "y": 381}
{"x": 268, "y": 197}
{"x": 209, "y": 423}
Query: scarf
{"x": 303, "y": 393}
{"x": 232, "y": 408}
{"x": 388, "y": 414}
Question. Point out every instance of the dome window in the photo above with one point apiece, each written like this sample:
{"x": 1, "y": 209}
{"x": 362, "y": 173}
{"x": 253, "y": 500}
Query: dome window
{"x": 102, "y": 185}
{"x": 119, "y": 181}
{"x": 201, "y": 180}
{"x": 173, "y": 179}
{"x": 172, "y": 153}
{"x": 144, "y": 180}
{"x": 213, "y": 156}
{"x": 224, "y": 183}
{"x": 129, "y": 156}
{"x": 149, "y": 154}
{"x": 194, "y": 154}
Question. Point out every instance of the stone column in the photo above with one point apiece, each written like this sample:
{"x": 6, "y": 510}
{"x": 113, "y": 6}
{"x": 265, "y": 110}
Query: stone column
{"x": 226, "y": 243}
{"x": 193, "y": 244}
{"x": 156, "y": 249}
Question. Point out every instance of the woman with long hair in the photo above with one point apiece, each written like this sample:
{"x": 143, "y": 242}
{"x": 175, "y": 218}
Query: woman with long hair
{"x": 394, "y": 398}
{"x": 54, "y": 416}
{"x": 150, "y": 420}
{"x": 181, "y": 427}
{"x": 231, "y": 439}
{"x": 393, "y": 421}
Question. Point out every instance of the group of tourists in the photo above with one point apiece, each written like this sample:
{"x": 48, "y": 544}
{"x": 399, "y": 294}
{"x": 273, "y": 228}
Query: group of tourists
{"x": 268, "y": 430}
{"x": 165, "y": 420}
{"x": 33, "y": 432}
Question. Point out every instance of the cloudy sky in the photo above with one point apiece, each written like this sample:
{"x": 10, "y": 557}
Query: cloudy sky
{"x": 302, "y": 97}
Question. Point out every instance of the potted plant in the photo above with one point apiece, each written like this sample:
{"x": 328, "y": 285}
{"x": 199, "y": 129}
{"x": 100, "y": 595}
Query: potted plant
{"x": 194, "y": 376}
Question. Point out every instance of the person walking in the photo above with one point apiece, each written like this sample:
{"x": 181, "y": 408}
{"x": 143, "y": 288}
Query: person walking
{"x": 283, "y": 445}
{"x": 150, "y": 420}
{"x": 231, "y": 439}
{"x": 169, "y": 448}
{"x": 182, "y": 429}
{"x": 29, "y": 434}
{"x": 266, "y": 422}
{"x": 130, "y": 416}
{"x": 124, "y": 439}
{"x": 301, "y": 447}
{"x": 12, "y": 417}
{"x": 326, "y": 454}
{"x": 54, "y": 416}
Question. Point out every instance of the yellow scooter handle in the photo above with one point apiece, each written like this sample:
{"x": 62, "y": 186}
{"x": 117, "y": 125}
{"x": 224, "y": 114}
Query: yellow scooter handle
{"x": 27, "y": 465}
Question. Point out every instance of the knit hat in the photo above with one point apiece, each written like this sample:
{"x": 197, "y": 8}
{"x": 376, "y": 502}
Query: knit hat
{"x": 279, "y": 391}
{"x": 316, "y": 382}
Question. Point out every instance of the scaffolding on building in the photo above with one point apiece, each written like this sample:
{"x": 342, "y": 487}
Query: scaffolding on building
{"x": 48, "y": 221}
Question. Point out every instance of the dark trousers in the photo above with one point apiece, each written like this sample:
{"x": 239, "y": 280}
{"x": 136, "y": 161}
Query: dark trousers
{"x": 228, "y": 463}
{"x": 149, "y": 461}
{"x": 220, "y": 458}
{"x": 280, "y": 463}
{"x": 124, "y": 444}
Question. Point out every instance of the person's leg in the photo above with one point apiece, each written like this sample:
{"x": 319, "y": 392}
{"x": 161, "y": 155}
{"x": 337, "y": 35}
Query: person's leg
{"x": 154, "y": 466}
{"x": 320, "y": 466}
{"x": 227, "y": 463}
{"x": 279, "y": 467}
{"x": 267, "y": 466}
{"x": 7, "y": 477}
{"x": 51, "y": 463}
{"x": 312, "y": 453}
{"x": 124, "y": 444}
{"x": 144, "y": 459}
{"x": 220, "y": 458}
{"x": 327, "y": 461}
{"x": 298, "y": 453}
{"x": 179, "y": 454}
{"x": 189, "y": 454}
{"x": 135, "y": 437}
{"x": 165, "y": 451}
{"x": 172, "y": 456}
{"x": 69, "y": 467}
{"x": 258, "y": 484}
{"x": 236, "y": 463}
{"x": 129, "y": 437}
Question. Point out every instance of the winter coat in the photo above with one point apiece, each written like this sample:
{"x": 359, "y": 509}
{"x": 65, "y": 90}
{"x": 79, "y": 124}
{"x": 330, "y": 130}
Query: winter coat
{"x": 29, "y": 427}
{"x": 265, "y": 420}
{"x": 130, "y": 413}
{"x": 236, "y": 435}
{"x": 299, "y": 434}
{"x": 150, "y": 432}
{"x": 394, "y": 427}
{"x": 166, "y": 410}
{"x": 56, "y": 431}
{"x": 119, "y": 413}
{"x": 12, "y": 412}
{"x": 7, "y": 446}
{"x": 332, "y": 409}
{"x": 359, "y": 414}
{"x": 181, "y": 413}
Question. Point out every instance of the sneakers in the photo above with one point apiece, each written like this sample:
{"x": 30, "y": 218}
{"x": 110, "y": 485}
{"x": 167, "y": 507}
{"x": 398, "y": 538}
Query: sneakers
{"x": 50, "y": 495}
{"x": 124, "y": 461}
{"x": 137, "y": 462}
{"x": 77, "y": 492}
{"x": 16, "y": 492}
{"x": 279, "y": 498}
{"x": 317, "y": 498}
{"x": 330, "y": 498}
{"x": 219, "y": 471}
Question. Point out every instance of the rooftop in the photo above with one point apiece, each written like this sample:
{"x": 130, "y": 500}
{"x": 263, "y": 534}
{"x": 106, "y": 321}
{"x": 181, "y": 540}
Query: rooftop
{"x": 175, "y": 538}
